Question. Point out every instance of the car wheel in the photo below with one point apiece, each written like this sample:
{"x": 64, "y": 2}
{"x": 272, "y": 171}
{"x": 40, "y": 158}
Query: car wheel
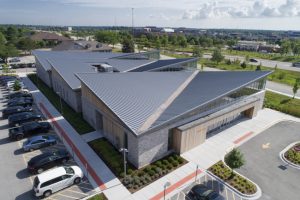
{"x": 47, "y": 193}
{"x": 19, "y": 137}
{"x": 31, "y": 149}
{"x": 77, "y": 180}
{"x": 40, "y": 170}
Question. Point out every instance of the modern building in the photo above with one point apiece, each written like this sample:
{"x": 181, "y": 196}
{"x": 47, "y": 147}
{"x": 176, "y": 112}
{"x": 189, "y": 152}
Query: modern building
{"x": 58, "y": 70}
{"x": 153, "y": 114}
{"x": 48, "y": 37}
{"x": 71, "y": 45}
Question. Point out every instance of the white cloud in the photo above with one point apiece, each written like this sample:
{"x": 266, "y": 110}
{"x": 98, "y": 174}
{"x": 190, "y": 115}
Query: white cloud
{"x": 289, "y": 8}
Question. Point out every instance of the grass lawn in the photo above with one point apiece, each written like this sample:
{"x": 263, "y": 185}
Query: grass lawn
{"x": 74, "y": 118}
{"x": 136, "y": 178}
{"x": 98, "y": 197}
{"x": 282, "y": 103}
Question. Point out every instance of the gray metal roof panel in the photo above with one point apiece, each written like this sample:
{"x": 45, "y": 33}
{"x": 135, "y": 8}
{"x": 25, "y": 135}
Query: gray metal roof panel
{"x": 207, "y": 86}
{"x": 133, "y": 97}
{"x": 160, "y": 64}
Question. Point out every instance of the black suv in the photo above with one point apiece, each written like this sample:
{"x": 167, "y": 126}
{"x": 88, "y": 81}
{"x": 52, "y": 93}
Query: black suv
{"x": 30, "y": 99}
{"x": 13, "y": 110}
{"x": 28, "y": 129}
{"x": 20, "y": 118}
{"x": 24, "y": 103}
{"x": 19, "y": 94}
{"x": 47, "y": 160}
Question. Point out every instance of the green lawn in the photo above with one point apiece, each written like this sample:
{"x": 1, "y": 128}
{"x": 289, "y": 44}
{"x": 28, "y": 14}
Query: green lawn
{"x": 136, "y": 178}
{"x": 282, "y": 103}
{"x": 98, "y": 197}
{"x": 74, "y": 118}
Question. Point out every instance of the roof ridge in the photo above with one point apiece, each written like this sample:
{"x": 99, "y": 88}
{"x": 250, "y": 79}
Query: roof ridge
{"x": 157, "y": 113}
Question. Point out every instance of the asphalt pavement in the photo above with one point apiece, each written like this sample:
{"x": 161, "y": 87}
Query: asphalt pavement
{"x": 263, "y": 165}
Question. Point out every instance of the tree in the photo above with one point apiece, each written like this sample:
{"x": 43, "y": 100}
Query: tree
{"x": 182, "y": 41}
{"x": 296, "y": 87}
{"x": 157, "y": 44}
{"x": 234, "y": 159}
{"x": 26, "y": 44}
{"x": 12, "y": 34}
{"x": 285, "y": 47}
{"x": 2, "y": 39}
{"x": 296, "y": 48}
{"x": 108, "y": 37}
{"x": 17, "y": 85}
{"x": 127, "y": 45}
{"x": 258, "y": 67}
{"x": 231, "y": 43}
{"x": 275, "y": 67}
{"x": 8, "y": 50}
{"x": 217, "y": 56}
{"x": 244, "y": 65}
{"x": 164, "y": 41}
{"x": 197, "y": 52}
{"x": 247, "y": 58}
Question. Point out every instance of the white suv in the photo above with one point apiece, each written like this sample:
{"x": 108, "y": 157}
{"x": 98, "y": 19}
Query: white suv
{"x": 56, "y": 179}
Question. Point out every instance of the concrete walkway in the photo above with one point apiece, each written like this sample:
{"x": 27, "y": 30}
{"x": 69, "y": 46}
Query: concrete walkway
{"x": 94, "y": 168}
{"x": 88, "y": 137}
{"x": 210, "y": 152}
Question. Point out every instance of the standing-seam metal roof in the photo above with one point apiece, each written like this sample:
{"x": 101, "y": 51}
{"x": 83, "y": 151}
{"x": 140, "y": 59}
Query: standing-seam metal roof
{"x": 133, "y": 97}
{"x": 160, "y": 64}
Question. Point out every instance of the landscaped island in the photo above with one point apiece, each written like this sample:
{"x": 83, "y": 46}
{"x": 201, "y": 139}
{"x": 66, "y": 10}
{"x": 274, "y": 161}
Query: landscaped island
{"x": 227, "y": 175}
{"x": 293, "y": 154}
{"x": 135, "y": 178}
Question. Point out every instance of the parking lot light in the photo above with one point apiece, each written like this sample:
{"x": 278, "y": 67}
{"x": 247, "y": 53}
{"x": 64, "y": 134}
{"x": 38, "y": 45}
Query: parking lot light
{"x": 124, "y": 150}
{"x": 167, "y": 184}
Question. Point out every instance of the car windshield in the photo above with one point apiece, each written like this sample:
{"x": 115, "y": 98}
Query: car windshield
{"x": 36, "y": 182}
{"x": 69, "y": 170}
{"x": 212, "y": 195}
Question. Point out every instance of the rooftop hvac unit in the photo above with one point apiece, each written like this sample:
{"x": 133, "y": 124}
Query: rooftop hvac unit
{"x": 103, "y": 68}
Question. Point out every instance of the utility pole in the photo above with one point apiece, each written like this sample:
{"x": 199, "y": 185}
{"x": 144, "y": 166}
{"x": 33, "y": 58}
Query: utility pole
{"x": 132, "y": 22}
{"x": 124, "y": 150}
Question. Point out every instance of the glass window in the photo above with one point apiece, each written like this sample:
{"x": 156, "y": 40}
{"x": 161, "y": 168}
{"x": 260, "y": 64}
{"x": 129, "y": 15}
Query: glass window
{"x": 170, "y": 139}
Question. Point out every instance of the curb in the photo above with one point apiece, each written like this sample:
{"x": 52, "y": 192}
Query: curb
{"x": 286, "y": 161}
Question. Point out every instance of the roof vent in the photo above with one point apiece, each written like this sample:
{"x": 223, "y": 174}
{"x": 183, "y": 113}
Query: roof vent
{"x": 104, "y": 67}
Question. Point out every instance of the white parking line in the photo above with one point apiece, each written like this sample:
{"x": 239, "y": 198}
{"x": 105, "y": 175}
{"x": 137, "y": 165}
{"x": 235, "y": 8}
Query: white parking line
{"x": 71, "y": 197}
{"x": 69, "y": 190}
{"x": 85, "y": 188}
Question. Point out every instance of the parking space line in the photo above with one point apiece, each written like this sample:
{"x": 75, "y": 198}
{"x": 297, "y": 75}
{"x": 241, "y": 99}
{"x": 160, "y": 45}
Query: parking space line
{"x": 69, "y": 190}
{"x": 85, "y": 188}
{"x": 226, "y": 193}
{"x": 71, "y": 197}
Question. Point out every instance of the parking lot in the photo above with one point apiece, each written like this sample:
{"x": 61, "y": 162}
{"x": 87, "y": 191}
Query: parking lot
{"x": 263, "y": 165}
{"x": 224, "y": 192}
{"x": 16, "y": 182}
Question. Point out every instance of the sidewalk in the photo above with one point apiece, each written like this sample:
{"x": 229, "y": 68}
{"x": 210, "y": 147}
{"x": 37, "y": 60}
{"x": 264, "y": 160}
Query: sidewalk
{"x": 96, "y": 171}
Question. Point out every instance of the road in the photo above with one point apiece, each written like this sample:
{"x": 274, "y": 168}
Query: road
{"x": 263, "y": 165}
{"x": 263, "y": 62}
{"x": 271, "y": 86}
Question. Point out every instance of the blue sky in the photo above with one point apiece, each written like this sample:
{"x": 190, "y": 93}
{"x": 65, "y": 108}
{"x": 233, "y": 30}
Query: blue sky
{"x": 241, "y": 14}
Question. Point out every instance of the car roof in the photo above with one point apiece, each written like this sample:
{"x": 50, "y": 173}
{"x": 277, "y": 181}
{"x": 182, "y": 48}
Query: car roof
{"x": 38, "y": 137}
{"x": 51, "y": 174}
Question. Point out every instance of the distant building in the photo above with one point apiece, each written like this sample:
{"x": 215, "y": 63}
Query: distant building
{"x": 93, "y": 46}
{"x": 167, "y": 30}
{"x": 258, "y": 46}
{"x": 69, "y": 28}
{"x": 48, "y": 37}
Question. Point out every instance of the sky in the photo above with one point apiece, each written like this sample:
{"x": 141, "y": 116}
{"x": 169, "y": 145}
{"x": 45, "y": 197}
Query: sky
{"x": 231, "y": 14}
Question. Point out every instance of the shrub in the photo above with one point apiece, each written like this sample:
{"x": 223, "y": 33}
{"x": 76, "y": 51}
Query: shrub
{"x": 151, "y": 172}
{"x": 170, "y": 159}
{"x": 165, "y": 162}
{"x": 129, "y": 171}
{"x": 175, "y": 163}
{"x": 148, "y": 168}
{"x": 180, "y": 160}
{"x": 158, "y": 163}
{"x": 169, "y": 166}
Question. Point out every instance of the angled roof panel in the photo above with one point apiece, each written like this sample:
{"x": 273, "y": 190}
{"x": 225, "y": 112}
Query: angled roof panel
{"x": 208, "y": 86}
{"x": 160, "y": 64}
{"x": 133, "y": 97}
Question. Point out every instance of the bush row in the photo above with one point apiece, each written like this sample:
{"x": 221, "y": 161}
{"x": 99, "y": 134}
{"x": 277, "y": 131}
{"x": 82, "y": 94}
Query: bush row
{"x": 293, "y": 156}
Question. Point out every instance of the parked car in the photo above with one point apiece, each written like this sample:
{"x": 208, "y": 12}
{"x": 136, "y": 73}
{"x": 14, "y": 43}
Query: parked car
{"x": 56, "y": 179}
{"x": 20, "y": 94}
{"x": 16, "y": 99}
{"x": 39, "y": 141}
{"x": 47, "y": 160}
{"x": 253, "y": 60}
{"x": 5, "y": 79}
{"x": 28, "y": 129}
{"x": 13, "y": 110}
{"x": 201, "y": 192}
{"x": 23, "y": 103}
{"x": 12, "y": 82}
{"x": 16, "y": 59}
{"x": 20, "y": 118}
{"x": 296, "y": 64}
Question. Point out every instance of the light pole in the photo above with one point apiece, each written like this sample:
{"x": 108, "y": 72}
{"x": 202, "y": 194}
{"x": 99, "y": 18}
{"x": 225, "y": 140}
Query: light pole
{"x": 61, "y": 107}
{"x": 124, "y": 150}
{"x": 167, "y": 184}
